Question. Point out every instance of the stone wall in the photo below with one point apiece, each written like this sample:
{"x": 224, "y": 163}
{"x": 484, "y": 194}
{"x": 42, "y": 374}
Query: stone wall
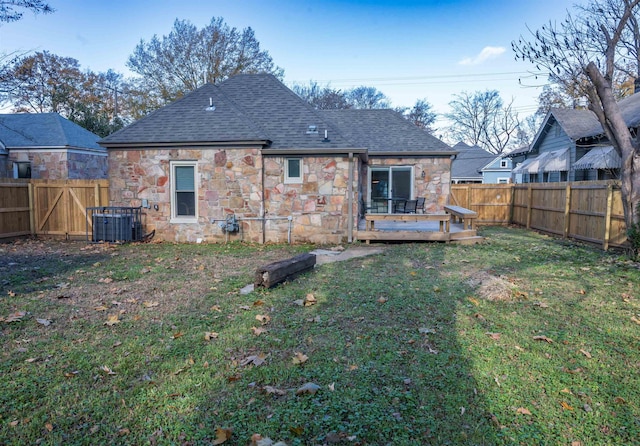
{"x": 230, "y": 181}
{"x": 60, "y": 164}
{"x": 435, "y": 186}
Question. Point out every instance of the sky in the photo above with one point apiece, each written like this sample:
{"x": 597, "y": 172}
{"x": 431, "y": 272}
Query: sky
{"x": 408, "y": 49}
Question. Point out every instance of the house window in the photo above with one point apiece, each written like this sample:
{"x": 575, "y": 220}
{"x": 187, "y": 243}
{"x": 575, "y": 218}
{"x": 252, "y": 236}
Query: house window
{"x": 504, "y": 164}
{"x": 22, "y": 170}
{"x": 293, "y": 170}
{"x": 503, "y": 180}
{"x": 183, "y": 191}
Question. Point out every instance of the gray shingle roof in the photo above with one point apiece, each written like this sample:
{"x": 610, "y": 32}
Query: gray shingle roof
{"x": 385, "y": 131}
{"x": 258, "y": 108}
{"x": 42, "y": 130}
{"x": 469, "y": 161}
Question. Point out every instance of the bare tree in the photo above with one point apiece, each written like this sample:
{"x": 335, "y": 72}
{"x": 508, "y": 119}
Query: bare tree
{"x": 422, "y": 115}
{"x": 367, "y": 98}
{"x": 13, "y": 10}
{"x": 587, "y": 52}
{"x": 322, "y": 98}
{"x": 482, "y": 119}
{"x": 189, "y": 57}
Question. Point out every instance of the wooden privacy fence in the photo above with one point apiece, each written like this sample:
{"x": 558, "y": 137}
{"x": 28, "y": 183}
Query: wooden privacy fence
{"x": 49, "y": 207}
{"x": 590, "y": 211}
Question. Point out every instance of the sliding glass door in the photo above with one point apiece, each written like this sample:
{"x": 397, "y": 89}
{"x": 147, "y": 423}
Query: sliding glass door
{"x": 389, "y": 184}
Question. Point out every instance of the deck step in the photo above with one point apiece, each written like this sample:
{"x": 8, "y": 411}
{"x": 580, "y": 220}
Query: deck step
{"x": 468, "y": 240}
{"x": 407, "y": 236}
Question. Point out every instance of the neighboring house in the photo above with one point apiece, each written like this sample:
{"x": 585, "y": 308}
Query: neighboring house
{"x": 571, "y": 146}
{"x": 48, "y": 146}
{"x": 498, "y": 171}
{"x": 468, "y": 164}
{"x": 250, "y": 150}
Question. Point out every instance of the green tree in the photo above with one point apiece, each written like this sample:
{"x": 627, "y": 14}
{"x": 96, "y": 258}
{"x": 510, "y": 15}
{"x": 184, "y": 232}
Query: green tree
{"x": 189, "y": 57}
{"x": 587, "y": 52}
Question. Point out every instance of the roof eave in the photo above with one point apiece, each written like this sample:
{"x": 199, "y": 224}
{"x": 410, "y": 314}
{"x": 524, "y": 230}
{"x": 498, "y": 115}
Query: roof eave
{"x": 166, "y": 144}
{"x": 430, "y": 153}
{"x": 314, "y": 151}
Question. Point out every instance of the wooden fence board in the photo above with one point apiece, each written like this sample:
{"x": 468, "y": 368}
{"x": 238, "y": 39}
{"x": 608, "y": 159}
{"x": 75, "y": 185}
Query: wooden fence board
{"x": 49, "y": 207}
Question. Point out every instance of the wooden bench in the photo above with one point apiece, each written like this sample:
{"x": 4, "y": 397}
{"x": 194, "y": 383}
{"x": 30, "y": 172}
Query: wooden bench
{"x": 463, "y": 215}
{"x": 443, "y": 218}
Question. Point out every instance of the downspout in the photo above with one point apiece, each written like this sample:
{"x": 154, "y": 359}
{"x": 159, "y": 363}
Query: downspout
{"x": 350, "y": 198}
{"x": 262, "y": 208}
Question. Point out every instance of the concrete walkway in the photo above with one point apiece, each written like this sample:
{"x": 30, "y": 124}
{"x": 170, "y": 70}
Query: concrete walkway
{"x": 338, "y": 255}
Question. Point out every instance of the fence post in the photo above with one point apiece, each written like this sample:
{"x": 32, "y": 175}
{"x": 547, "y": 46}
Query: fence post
{"x": 529, "y": 199}
{"x": 468, "y": 206}
{"x": 607, "y": 222}
{"x": 512, "y": 201}
{"x": 97, "y": 195}
{"x": 32, "y": 211}
{"x": 567, "y": 211}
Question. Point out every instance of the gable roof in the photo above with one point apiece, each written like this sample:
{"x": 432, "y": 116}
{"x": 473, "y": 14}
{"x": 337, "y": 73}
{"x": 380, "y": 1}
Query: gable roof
{"x": 44, "y": 130}
{"x": 470, "y": 161}
{"x": 258, "y": 109}
{"x": 384, "y": 132}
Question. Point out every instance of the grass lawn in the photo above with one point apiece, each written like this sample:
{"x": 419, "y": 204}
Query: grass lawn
{"x": 522, "y": 340}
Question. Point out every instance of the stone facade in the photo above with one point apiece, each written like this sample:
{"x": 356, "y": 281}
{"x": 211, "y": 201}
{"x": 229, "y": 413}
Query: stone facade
{"x": 435, "y": 186}
{"x": 232, "y": 181}
{"x": 60, "y": 164}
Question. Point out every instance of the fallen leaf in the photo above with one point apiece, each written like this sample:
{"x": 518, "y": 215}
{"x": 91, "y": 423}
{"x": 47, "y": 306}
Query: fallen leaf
{"x": 582, "y": 292}
{"x": 258, "y": 330}
{"x": 541, "y": 304}
{"x": 332, "y": 387}
{"x": 523, "y": 411}
{"x": 222, "y": 435}
{"x": 11, "y": 293}
{"x": 382, "y": 300}
{"x": 14, "y": 423}
{"x": 256, "y": 360}
{"x": 258, "y": 303}
{"x": 635, "y": 319}
{"x": 101, "y": 308}
{"x": 473, "y": 300}
{"x": 566, "y": 406}
{"x": 15, "y": 317}
{"x": 209, "y": 335}
{"x": 264, "y": 318}
{"x": 48, "y": 426}
{"x": 124, "y": 431}
{"x": 300, "y": 358}
{"x": 309, "y": 388}
{"x": 106, "y": 280}
{"x": 216, "y": 308}
{"x": 521, "y": 295}
{"x": 576, "y": 443}
{"x": 565, "y": 390}
{"x": 619, "y": 400}
{"x": 309, "y": 300}
{"x": 425, "y": 330}
{"x": 299, "y": 302}
{"x": 112, "y": 319}
{"x": 150, "y": 304}
{"x": 107, "y": 370}
{"x": 543, "y": 338}
{"x": 245, "y": 307}
{"x": 71, "y": 374}
{"x": 45, "y": 322}
{"x": 234, "y": 378}
{"x": 586, "y": 353}
{"x": 479, "y": 317}
{"x": 177, "y": 335}
{"x": 494, "y": 336}
{"x": 270, "y": 390}
{"x": 30, "y": 360}
{"x": 297, "y": 431}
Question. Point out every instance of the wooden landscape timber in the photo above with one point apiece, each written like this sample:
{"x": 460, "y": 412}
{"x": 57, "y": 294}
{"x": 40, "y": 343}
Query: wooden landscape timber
{"x": 274, "y": 273}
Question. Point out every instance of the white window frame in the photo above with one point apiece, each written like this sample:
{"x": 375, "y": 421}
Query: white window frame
{"x": 503, "y": 180}
{"x": 504, "y": 164}
{"x": 175, "y": 218}
{"x": 16, "y": 168}
{"x": 288, "y": 179}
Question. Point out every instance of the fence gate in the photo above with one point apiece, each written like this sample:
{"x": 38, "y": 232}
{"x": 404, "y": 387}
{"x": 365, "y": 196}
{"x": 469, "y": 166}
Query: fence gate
{"x": 60, "y": 206}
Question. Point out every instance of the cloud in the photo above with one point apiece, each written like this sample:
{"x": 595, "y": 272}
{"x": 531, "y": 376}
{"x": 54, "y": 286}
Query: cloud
{"x": 487, "y": 53}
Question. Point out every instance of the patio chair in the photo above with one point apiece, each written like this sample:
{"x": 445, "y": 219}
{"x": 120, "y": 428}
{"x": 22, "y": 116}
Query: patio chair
{"x": 399, "y": 206}
{"x": 420, "y": 205}
{"x": 410, "y": 206}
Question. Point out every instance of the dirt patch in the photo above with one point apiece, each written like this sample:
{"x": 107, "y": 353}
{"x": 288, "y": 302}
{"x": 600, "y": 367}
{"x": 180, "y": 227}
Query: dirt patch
{"x": 491, "y": 287}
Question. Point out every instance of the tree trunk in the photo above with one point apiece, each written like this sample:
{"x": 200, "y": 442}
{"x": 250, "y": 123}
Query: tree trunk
{"x": 620, "y": 137}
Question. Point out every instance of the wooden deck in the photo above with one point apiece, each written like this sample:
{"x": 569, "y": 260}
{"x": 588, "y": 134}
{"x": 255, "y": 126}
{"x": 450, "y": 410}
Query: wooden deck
{"x": 437, "y": 227}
